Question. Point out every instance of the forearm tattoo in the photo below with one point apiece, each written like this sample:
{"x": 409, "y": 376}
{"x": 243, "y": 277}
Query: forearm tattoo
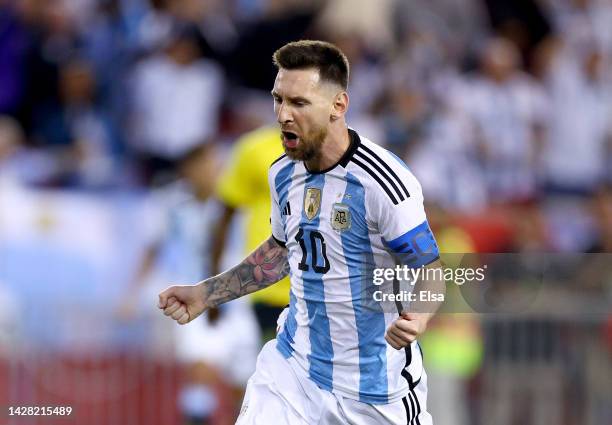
{"x": 266, "y": 265}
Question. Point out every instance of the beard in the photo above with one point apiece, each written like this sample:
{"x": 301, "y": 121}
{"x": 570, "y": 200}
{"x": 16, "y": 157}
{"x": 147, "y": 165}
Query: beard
{"x": 309, "y": 147}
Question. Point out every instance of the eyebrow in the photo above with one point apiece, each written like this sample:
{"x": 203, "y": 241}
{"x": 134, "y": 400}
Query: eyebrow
{"x": 292, "y": 99}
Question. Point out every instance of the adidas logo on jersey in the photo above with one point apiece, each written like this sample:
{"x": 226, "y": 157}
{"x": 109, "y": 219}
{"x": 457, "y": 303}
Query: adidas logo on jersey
{"x": 287, "y": 209}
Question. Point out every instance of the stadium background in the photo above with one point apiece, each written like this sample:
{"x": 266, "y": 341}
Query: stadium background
{"x": 503, "y": 110}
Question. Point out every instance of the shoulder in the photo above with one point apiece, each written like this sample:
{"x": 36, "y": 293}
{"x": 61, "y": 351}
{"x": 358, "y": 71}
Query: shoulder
{"x": 281, "y": 172}
{"x": 384, "y": 172}
{"x": 280, "y": 163}
{"x": 281, "y": 159}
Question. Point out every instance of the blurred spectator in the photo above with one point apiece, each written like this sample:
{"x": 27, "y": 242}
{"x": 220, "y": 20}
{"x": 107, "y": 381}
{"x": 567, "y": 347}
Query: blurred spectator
{"x": 583, "y": 22}
{"x": 446, "y": 161}
{"x": 456, "y": 24}
{"x": 219, "y": 348}
{"x": 523, "y": 22}
{"x": 507, "y": 133}
{"x": 56, "y": 40}
{"x": 578, "y": 148}
{"x": 243, "y": 187}
{"x": 109, "y": 45}
{"x": 81, "y": 127}
{"x": 180, "y": 235}
{"x": 425, "y": 54}
{"x": 371, "y": 20}
{"x": 18, "y": 164}
{"x": 177, "y": 97}
{"x": 405, "y": 116}
{"x": 281, "y": 22}
{"x": 14, "y": 43}
{"x": 576, "y": 154}
{"x": 155, "y": 26}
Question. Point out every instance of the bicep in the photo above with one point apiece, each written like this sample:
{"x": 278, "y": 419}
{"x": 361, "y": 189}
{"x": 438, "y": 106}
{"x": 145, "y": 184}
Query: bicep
{"x": 405, "y": 230}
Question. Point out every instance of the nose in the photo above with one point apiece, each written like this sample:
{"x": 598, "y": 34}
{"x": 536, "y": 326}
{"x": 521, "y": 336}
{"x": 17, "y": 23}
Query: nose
{"x": 283, "y": 114}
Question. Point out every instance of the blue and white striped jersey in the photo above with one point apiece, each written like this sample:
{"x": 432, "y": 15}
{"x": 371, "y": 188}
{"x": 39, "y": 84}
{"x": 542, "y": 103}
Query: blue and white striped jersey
{"x": 337, "y": 224}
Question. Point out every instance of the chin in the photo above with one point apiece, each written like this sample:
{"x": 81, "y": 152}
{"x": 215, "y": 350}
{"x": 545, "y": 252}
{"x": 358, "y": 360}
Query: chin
{"x": 296, "y": 156}
{"x": 301, "y": 156}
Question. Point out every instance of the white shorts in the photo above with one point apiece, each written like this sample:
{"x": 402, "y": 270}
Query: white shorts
{"x": 278, "y": 393}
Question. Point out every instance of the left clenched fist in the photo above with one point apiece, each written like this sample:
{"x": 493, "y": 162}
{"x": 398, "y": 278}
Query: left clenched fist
{"x": 405, "y": 329}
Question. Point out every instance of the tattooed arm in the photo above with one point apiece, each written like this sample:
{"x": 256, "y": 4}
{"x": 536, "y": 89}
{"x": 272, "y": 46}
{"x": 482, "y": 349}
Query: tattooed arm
{"x": 263, "y": 267}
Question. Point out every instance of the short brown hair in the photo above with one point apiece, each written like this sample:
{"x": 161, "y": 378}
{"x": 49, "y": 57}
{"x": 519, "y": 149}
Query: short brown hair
{"x": 328, "y": 59}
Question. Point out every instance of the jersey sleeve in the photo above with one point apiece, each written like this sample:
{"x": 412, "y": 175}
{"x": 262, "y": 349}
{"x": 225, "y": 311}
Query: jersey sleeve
{"x": 403, "y": 225}
{"x": 278, "y": 230}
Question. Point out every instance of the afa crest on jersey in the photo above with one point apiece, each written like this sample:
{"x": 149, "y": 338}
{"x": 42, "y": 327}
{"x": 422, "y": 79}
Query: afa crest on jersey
{"x": 341, "y": 217}
{"x": 312, "y": 202}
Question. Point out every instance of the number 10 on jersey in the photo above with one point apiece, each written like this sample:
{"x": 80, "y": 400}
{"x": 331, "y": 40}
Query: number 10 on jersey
{"x": 312, "y": 242}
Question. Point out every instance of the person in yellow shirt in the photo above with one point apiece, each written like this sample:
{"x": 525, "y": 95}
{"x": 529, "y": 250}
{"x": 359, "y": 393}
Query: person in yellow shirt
{"x": 244, "y": 186}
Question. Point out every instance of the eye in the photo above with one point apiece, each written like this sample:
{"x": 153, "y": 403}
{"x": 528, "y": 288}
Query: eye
{"x": 278, "y": 99}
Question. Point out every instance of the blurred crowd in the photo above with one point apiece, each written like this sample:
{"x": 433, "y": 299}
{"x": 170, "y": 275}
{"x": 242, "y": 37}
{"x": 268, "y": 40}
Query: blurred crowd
{"x": 501, "y": 108}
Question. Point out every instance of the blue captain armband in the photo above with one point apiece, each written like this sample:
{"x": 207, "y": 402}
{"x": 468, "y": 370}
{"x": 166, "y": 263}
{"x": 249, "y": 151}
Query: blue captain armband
{"x": 416, "y": 247}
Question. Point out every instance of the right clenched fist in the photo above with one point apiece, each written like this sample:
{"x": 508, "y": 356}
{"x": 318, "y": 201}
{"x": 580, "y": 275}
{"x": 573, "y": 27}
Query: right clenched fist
{"x": 182, "y": 302}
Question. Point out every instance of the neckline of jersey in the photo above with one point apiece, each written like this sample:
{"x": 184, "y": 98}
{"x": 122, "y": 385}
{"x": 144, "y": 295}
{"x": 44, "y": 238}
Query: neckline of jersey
{"x": 355, "y": 141}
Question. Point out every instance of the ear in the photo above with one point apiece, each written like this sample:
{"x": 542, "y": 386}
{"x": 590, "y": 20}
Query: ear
{"x": 340, "y": 106}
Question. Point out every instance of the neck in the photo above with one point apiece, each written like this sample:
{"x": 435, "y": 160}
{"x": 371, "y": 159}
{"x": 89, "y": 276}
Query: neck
{"x": 333, "y": 148}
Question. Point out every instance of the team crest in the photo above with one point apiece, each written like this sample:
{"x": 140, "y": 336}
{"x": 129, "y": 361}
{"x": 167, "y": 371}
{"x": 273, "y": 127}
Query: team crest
{"x": 340, "y": 217}
{"x": 312, "y": 202}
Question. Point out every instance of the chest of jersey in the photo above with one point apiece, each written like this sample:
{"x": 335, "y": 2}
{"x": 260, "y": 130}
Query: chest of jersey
{"x": 325, "y": 222}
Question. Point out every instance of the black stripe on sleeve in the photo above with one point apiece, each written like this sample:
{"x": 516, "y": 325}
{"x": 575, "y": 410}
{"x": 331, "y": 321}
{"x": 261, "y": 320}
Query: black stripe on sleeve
{"x": 278, "y": 159}
{"x": 377, "y": 178}
{"x": 278, "y": 241}
{"x": 384, "y": 164}
{"x": 366, "y": 158}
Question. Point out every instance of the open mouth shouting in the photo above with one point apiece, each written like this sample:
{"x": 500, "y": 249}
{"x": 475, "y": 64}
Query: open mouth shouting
{"x": 290, "y": 139}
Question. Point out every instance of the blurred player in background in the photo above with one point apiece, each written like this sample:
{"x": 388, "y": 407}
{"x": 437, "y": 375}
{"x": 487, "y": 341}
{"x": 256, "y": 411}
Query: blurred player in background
{"x": 244, "y": 186}
{"x": 339, "y": 206}
{"x": 217, "y": 349}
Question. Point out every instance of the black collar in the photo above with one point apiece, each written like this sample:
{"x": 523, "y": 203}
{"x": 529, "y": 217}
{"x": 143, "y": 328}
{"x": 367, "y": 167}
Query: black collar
{"x": 354, "y": 141}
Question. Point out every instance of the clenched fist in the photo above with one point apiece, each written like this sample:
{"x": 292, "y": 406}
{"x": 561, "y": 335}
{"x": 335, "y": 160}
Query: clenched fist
{"x": 405, "y": 329}
{"x": 183, "y": 303}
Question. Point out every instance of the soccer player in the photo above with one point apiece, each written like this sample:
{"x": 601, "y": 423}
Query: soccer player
{"x": 340, "y": 205}
{"x": 179, "y": 247}
{"x": 243, "y": 186}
